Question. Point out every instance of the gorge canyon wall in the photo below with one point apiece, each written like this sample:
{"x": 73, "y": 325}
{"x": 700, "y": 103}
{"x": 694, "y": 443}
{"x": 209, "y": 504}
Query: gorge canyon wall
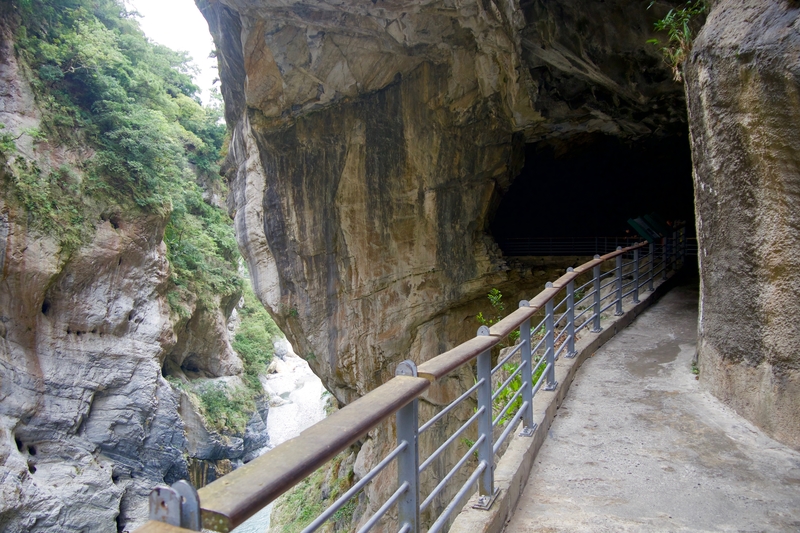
{"x": 371, "y": 142}
{"x": 88, "y": 424}
{"x": 743, "y": 82}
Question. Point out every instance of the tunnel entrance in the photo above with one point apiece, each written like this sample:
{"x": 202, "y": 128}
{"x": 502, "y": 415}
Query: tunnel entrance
{"x": 572, "y": 192}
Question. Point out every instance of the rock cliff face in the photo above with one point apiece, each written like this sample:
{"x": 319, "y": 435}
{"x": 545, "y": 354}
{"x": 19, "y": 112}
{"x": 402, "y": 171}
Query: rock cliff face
{"x": 373, "y": 140}
{"x": 88, "y": 425}
{"x": 743, "y": 89}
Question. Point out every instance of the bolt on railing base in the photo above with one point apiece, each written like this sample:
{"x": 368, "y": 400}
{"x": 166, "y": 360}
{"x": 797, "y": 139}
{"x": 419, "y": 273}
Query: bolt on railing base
{"x": 619, "y": 313}
{"x": 484, "y": 503}
{"x": 570, "y": 355}
{"x": 550, "y": 386}
{"x": 528, "y": 431}
{"x": 597, "y": 330}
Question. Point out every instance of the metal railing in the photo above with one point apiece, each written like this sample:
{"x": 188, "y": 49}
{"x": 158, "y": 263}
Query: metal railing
{"x": 501, "y": 400}
{"x": 572, "y": 246}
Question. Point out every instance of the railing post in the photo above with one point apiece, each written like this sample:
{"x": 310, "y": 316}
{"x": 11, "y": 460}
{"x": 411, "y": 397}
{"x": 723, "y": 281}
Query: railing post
{"x": 486, "y": 489}
{"x": 683, "y": 246}
{"x": 664, "y": 256}
{"x": 652, "y": 253}
{"x": 636, "y": 276}
{"x": 550, "y": 342}
{"x": 675, "y": 251}
{"x": 618, "y": 311}
{"x": 596, "y": 271}
{"x": 528, "y": 427}
{"x": 408, "y": 460}
{"x": 178, "y": 505}
{"x": 571, "y": 318}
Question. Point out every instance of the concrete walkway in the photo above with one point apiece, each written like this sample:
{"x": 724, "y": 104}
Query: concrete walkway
{"x": 637, "y": 445}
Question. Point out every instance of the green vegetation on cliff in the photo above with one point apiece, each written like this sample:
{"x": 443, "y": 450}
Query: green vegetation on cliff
{"x": 102, "y": 85}
{"x": 147, "y": 149}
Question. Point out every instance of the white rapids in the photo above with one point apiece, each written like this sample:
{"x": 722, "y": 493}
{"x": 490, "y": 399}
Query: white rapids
{"x": 296, "y": 402}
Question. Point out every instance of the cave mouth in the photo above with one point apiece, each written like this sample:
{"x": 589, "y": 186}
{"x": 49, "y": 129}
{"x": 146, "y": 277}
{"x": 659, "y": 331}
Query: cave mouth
{"x": 582, "y": 190}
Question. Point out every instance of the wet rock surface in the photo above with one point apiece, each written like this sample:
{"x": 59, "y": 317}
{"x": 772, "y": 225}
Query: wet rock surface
{"x": 742, "y": 86}
{"x": 638, "y": 445}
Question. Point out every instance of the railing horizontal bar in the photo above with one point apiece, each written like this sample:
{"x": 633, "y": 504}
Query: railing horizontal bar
{"x": 584, "y": 299}
{"x": 537, "y": 327}
{"x": 405, "y": 529}
{"x": 450, "y": 407}
{"x": 151, "y": 526}
{"x": 385, "y": 507}
{"x": 588, "y": 322}
{"x": 511, "y": 424}
{"x": 505, "y": 409}
{"x": 587, "y": 266}
{"x": 612, "y": 272}
{"x": 508, "y": 356}
{"x": 335, "y": 506}
{"x": 583, "y": 313}
{"x": 541, "y": 378}
{"x": 560, "y": 349}
{"x": 432, "y": 457}
{"x": 503, "y": 328}
{"x": 604, "y": 309}
{"x": 560, "y": 334}
{"x": 538, "y": 345}
{"x": 438, "y": 488}
{"x": 230, "y": 500}
{"x": 565, "y": 279}
{"x": 443, "y": 364}
{"x": 510, "y": 378}
{"x": 626, "y": 294}
{"x": 560, "y": 318}
{"x": 604, "y": 285}
{"x": 442, "y": 520}
{"x": 559, "y": 304}
{"x": 591, "y": 281}
{"x": 609, "y": 295}
{"x": 513, "y": 321}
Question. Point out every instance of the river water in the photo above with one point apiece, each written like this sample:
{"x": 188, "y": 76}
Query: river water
{"x": 296, "y": 402}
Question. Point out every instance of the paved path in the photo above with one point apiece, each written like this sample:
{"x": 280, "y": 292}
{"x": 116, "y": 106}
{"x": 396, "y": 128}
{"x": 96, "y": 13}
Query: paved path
{"x": 638, "y": 445}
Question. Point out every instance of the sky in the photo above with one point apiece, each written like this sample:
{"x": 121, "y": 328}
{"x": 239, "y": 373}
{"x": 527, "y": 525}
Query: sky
{"x": 179, "y": 25}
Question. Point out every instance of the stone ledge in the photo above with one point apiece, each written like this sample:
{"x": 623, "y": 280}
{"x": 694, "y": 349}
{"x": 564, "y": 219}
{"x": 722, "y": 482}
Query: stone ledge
{"x": 511, "y": 473}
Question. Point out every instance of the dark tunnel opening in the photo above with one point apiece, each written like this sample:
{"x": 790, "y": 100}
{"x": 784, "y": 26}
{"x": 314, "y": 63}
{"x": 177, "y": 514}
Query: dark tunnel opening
{"x": 587, "y": 187}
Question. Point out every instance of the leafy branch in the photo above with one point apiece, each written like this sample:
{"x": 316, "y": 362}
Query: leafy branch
{"x": 678, "y": 23}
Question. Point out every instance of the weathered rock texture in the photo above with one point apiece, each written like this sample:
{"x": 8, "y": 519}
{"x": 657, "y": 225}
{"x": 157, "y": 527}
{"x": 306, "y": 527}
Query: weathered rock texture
{"x": 371, "y": 141}
{"x": 88, "y": 425}
{"x": 743, "y": 83}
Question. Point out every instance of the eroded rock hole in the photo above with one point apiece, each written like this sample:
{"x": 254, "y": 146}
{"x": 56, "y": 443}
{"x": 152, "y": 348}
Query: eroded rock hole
{"x": 46, "y": 307}
{"x": 588, "y": 186}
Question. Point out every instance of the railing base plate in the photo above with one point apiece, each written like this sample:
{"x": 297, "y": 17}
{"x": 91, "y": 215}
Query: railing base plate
{"x": 571, "y": 355}
{"x": 551, "y": 386}
{"x": 528, "y": 431}
{"x": 484, "y": 503}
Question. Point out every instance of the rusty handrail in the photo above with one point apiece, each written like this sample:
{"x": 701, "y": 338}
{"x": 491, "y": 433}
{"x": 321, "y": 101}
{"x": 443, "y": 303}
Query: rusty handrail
{"x": 232, "y": 499}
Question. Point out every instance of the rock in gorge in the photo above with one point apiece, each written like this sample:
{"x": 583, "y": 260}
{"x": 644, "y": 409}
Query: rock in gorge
{"x": 742, "y": 82}
{"x": 101, "y": 295}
